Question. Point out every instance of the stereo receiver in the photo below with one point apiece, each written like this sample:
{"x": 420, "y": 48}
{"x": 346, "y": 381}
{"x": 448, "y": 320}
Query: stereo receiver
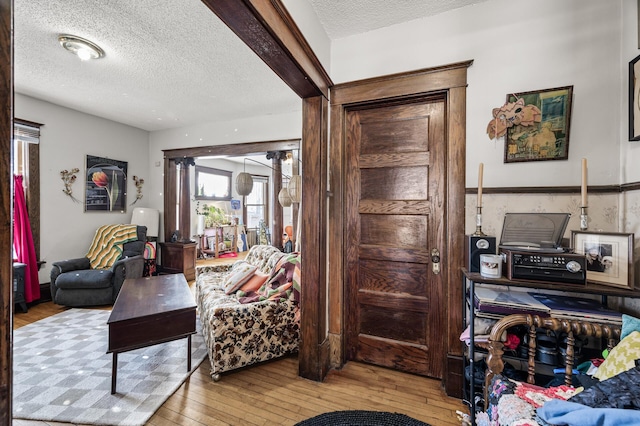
{"x": 570, "y": 268}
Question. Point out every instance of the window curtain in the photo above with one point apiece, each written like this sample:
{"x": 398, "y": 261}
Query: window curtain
{"x": 23, "y": 242}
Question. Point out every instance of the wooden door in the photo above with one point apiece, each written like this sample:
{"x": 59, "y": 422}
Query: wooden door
{"x": 395, "y": 201}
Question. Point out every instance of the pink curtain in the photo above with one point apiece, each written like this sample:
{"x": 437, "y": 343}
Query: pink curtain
{"x": 25, "y": 251}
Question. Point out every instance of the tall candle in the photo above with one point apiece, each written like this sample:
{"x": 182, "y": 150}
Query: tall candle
{"x": 480, "y": 170}
{"x": 583, "y": 189}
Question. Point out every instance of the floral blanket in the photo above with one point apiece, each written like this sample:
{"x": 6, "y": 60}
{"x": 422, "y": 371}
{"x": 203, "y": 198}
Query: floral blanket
{"x": 514, "y": 403}
{"x": 240, "y": 334}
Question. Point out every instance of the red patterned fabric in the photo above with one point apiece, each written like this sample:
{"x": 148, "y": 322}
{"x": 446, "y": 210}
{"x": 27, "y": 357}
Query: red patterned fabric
{"x": 537, "y": 396}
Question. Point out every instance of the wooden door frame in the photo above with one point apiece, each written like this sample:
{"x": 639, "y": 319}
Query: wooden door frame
{"x": 6, "y": 211}
{"x": 451, "y": 81}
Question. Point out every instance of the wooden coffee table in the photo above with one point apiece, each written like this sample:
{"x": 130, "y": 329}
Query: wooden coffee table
{"x": 149, "y": 311}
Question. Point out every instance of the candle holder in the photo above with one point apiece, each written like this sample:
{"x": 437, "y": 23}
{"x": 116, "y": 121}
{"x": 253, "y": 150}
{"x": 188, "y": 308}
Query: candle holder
{"x": 479, "y": 222}
{"x": 584, "y": 222}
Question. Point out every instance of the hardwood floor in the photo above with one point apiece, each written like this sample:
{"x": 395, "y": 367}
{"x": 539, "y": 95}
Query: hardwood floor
{"x": 272, "y": 393}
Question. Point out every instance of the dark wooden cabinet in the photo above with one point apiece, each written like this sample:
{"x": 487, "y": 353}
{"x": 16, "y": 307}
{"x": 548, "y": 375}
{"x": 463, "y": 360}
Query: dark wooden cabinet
{"x": 18, "y": 285}
{"x": 179, "y": 258}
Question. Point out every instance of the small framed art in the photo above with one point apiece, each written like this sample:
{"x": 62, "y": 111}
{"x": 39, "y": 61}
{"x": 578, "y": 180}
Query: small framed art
{"x": 106, "y": 185}
{"x": 542, "y": 131}
{"x": 609, "y": 257}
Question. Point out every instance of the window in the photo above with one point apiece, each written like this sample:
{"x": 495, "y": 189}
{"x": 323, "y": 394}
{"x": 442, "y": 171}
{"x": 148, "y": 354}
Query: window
{"x": 212, "y": 184}
{"x": 256, "y": 204}
{"x": 24, "y": 134}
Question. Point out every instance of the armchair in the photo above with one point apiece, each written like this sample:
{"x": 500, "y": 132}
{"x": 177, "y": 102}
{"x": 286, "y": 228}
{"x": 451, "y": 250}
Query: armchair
{"x": 74, "y": 283}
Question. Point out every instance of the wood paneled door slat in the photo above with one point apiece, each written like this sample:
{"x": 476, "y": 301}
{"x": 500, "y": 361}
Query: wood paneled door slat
{"x": 397, "y": 254}
{"x": 419, "y": 207}
{"x": 371, "y": 161}
{"x": 405, "y": 356}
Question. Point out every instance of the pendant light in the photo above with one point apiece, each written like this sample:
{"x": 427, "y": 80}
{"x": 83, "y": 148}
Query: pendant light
{"x": 244, "y": 182}
{"x": 295, "y": 188}
{"x": 284, "y": 198}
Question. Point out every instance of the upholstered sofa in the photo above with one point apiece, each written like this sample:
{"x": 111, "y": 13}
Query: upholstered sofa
{"x": 75, "y": 283}
{"x": 266, "y": 326}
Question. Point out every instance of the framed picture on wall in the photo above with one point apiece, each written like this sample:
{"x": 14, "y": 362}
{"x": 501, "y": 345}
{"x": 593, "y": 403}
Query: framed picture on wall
{"x": 542, "y": 130}
{"x": 634, "y": 99}
{"x": 106, "y": 185}
{"x": 609, "y": 257}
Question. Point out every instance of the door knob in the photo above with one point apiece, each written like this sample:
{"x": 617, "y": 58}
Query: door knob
{"x": 435, "y": 261}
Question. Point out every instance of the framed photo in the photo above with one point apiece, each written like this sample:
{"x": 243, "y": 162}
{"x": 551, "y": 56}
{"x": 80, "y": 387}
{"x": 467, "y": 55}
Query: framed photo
{"x": 634, "y": 99}
{"x": 609, "y": 257}
{"x": 543, "y": 131}
{"x": 106, "y": 185}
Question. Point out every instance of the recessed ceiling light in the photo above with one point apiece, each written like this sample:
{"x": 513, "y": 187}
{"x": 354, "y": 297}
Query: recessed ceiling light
{"x": 85, "y": 49}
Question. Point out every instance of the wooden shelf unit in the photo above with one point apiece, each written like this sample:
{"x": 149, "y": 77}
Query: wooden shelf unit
{"x": 218, "y": 233}
{"x": 471, "y": 279}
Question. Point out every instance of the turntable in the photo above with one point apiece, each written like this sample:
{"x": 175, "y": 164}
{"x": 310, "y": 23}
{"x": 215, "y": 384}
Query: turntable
{"x": 531, "y": 246}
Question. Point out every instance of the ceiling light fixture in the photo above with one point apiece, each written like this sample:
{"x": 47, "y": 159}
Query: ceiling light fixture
{"x": 85, "y": 49}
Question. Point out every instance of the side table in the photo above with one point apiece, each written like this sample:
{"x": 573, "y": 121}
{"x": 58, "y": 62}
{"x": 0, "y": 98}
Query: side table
{"x": 179, "y": 258}
{"x": 18, "y": 285}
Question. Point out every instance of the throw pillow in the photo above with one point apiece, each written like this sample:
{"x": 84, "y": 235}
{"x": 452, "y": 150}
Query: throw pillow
{"x": 254, "y": 283}
{"x": 621, "y": 358}
{"x": 239, "y": 264}
{"x": 629, "y": 325}
{"x": 237, "y": 277}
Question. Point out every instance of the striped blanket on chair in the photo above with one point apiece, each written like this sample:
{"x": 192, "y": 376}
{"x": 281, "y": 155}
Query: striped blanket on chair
{"x": 106, "y": 247}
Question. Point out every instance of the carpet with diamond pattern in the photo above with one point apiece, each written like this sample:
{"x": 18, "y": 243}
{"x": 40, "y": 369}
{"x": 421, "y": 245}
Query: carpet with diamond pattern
{"x": 61, "y": 372}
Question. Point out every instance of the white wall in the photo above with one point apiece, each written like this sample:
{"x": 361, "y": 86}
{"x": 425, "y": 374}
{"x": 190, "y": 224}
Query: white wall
{"x": 67, "y": 136}
{"x": 516, "y": 46}
{"x": 307, "y": 21}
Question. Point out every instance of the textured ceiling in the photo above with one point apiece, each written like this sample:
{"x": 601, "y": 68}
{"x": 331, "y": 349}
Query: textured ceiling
{"x": 342, "y": 18}
{"x": 170, "y": 63}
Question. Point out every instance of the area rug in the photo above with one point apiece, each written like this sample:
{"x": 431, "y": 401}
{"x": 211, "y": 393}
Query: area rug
{"x": 361, "y": 418}
{"x": 61, "y": 372}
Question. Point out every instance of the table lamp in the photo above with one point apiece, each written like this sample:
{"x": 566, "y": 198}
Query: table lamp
{"x": 147, "y": 217}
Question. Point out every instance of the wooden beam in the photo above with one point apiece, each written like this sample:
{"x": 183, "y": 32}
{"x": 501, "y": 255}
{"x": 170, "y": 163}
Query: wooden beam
{"x": 266, "y": 27}
{"x": 6, "y": 210}
{"x": 170, "y": 192}
{"x": 314, "y": 348}
{"x": 234, "y": 150}
{"x": 456, "y": 169}
{"x": 278, "y": 215}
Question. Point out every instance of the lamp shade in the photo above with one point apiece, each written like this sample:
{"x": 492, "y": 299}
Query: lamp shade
{"x": 284, "y": 198}
{"x": 295, "y": 188}
{"x": 147, "y": 217}
{"x": 244, "y": 184}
